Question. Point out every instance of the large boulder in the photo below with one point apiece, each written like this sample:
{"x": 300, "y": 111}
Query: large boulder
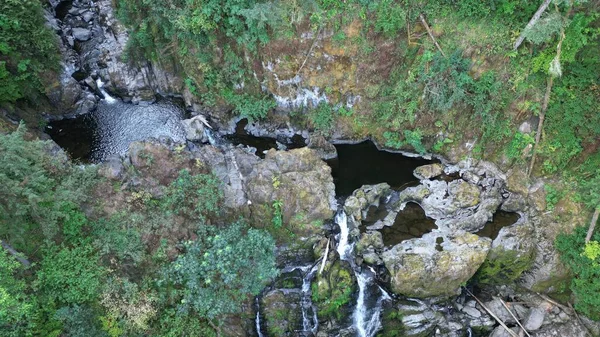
{"x": 436, "y": 264}
{"x": 282, "y": 312}
{"x": 300, "y": 181}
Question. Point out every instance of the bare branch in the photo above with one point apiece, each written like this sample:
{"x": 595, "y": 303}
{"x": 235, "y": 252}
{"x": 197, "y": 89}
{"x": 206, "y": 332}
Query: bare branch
{"x": 14, "y": 253}
{"x": 532, "y": 22}
{"x": 431, "y": 34}
{"x": 590, "y": 232}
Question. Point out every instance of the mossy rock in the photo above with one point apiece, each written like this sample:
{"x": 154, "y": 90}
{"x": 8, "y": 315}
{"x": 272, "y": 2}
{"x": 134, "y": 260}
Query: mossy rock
{"x": 503, "y": 266}
{"x": 332, "y": 290}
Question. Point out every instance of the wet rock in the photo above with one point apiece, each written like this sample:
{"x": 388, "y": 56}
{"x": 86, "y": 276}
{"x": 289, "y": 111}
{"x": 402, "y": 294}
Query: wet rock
{"x": 514, "y": 202}
{"x": 282, "y": 312}
{"x": 194, "y": 128}
{"x": 420, "y": 270}
{"x": 81, "y": 34}
{"x": 428, "y": 171}
{"x": 333, "y": 289}
{"x": 358, "y": 203}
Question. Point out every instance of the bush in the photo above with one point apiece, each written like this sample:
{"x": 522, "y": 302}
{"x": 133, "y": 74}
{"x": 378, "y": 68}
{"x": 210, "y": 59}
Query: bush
{"x": 585, "y": 268}
{"x": 221, "y": 269}
{"x": 28, "y": 48}
{"x": 196, "y": 196}
{"x": 70, "y": 275}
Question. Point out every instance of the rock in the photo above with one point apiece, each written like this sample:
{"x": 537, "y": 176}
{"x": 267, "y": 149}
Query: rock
{"x": 512, "y": 253}
{"x": 194, "y": 128}
{"x": 301, "y": 181}
{"x": 428, "y": 171}
{"x": 525, "y": 127}
{"x": 420, "y": 270}
{"x": 472, "y": 312}
{"x": 333, "y": 289}
{"x": 570, "y": 329}
{"x": 515, "y": 202}
{"x": 501, "y": 332}
{"x": 464, "y": 194}
{"x": 64, "y": 93}
{"x": 112, "y": 168}
{"x": 325, "y": 150}
{"x": 81, "y": 34}
{"x": 499, "y": 310}
{"x": 282, "y": 312}
{"x": 369, "y": 239}
{"x": 517, "y": 182}
{"x": 535, "y": 319}
{"x": 537, "y": 196}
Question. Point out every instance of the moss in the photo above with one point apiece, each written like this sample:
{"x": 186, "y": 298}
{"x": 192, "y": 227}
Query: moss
{"x": 502, "y": 267}
{"x": 392, "y": 324}
{"x": 333, "y": 290}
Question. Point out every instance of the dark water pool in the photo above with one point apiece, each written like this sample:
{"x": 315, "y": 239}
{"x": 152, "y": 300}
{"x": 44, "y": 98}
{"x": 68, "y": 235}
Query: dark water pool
{"x": 501, "y": 219}
{"x": 113, "y": 126}
{"x": 261, "y": 144}
{"x": 362, "y": 164}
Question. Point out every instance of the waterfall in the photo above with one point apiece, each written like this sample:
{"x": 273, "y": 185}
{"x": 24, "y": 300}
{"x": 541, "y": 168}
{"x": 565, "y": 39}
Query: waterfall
{"x": 257, "y": 320}
{"x": 366, "y": 318}
{"x": 343, "y": 247}
{"x": 108, "y": 98}
{"x": 310, "y": 322}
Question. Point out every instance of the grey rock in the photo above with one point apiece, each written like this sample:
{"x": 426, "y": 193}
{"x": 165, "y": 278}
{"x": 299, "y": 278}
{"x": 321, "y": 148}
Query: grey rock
{"x": 501, "y": 332}
{"x": 419, "y": 270}
{"x": 112, "y": 168}
{"x": 428, "y": 171}
{"x": 525, "y": 127}
{"x": 535, "y": 319}
{"x": 472, "y": 312}
{"x": 81, "y": 34}
{"x": 194, "y": 128}
{"x": 324, "y": 149}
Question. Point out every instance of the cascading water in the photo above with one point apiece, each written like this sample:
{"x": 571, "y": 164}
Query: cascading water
{"x": 366, "y": 318}
{"x": 310, "y": 322}
{"x": 257, "y": 319}
{"x": 108, "y": 98}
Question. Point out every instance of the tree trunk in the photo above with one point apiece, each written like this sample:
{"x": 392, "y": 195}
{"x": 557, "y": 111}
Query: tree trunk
{"x": 14, "y": 253}
{"x": 540, "y": 128}
{"x": 431, "y": 34}
{"x": 532, "y": 22}
{"x": 590, "y": 232}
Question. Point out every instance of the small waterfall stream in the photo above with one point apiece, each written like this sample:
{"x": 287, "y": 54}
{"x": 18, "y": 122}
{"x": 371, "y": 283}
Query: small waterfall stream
{"x": 366, "y": 318}
{"x": 108, "y": 98}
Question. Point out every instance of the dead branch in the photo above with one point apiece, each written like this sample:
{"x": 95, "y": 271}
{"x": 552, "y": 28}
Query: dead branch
{"x": 590, "y": 232}
{"x": 309, "y": 51}
{"x": 18, "y": 256}
{"x": 513, "y": 316}
{"x": 510, "y": 332}
{"x": 532, "y": 22}
{"x": 431, "y": 34}
{"x": 325, "y": 257}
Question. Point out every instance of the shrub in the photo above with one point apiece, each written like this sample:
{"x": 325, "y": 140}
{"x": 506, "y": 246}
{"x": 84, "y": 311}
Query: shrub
{"x": 221, "y": 269}
{"x": 586, "y": 270}
{"x": 196, "y": 196}
{"x": 70, "y": 275}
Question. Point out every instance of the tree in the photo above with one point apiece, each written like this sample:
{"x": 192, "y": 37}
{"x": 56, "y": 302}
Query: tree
{"x": 221, "y": 269}
{"x": 15, "y": 306}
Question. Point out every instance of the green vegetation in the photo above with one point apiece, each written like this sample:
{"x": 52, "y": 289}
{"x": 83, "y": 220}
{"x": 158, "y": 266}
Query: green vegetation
{"x": 221, "y": 269}
{"x": 28, "y": 50}
{"x": 70, "y": 267}
{"x": 503, "y": 267}
{"x": 583, "y": 261}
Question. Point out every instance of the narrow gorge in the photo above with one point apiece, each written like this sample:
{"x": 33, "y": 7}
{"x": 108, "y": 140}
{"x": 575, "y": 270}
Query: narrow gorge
{"x": 299, "y": 168}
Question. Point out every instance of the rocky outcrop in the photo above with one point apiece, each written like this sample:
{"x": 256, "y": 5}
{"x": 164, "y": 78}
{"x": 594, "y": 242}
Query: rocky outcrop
{"x": 282, "y": 312}
{"x": 419, "y": 268}
{"x": 300, "y": 181}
